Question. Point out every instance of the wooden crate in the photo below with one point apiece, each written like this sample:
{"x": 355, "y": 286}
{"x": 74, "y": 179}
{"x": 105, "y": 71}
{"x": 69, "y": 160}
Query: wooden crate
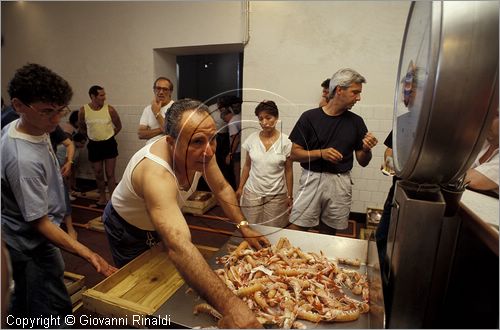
{"x": 96, "y": 224}
{"x": 73, "y": 282}
{"x": 75, "y": 285}
{"x": 138, "y": 288}
{"x": 199, "y": 203}
{"x": 92, "y": 194}
{"x": 364, "y": 233}
{"x": 373, "y": 216}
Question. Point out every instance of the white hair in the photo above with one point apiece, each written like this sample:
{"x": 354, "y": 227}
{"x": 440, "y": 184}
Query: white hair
{"x": 344, "y": 78}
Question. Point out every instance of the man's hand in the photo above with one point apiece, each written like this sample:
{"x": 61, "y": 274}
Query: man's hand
{"x": 155, "y": 107}
{"x": 238, "y": 193}
{"x": 66, "y": 169}
{"x": 331, "y": 155}
{"x": 369, "y": 141}
{"x": 239, "y": 316}
{"x": 101, "y": 265}
{"x": 254, "y": 238}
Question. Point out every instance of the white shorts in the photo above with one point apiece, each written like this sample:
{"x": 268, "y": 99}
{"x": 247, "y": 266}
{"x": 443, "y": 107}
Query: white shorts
{"x": 324, "y": 196}
{"x": 265, "y": 210}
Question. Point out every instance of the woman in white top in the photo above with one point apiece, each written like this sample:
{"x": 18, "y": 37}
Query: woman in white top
{"x": 266, "y": 187}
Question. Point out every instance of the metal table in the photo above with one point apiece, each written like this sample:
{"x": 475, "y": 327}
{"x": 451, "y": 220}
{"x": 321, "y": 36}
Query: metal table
{"x": 180, "y": 306}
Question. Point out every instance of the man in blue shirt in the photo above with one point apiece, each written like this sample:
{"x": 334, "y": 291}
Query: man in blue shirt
{"x": 33, "y": 195}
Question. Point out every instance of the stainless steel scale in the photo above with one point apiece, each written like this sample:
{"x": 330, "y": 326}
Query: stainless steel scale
{"x": 446, "y": 94}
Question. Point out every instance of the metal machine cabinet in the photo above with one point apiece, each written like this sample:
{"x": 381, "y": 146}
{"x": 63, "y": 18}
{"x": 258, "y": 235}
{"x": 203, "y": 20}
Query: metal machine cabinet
{"x": 412, "y": 252}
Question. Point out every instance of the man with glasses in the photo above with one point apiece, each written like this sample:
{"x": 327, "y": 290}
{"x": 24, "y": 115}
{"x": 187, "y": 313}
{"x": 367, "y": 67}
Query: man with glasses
{"x": 57, "y": 137}
{"x": 153, "y": 116}
{"x": 33, "y": 195}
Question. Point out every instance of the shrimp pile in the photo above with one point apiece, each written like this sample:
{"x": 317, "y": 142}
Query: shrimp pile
{"x": 282, "y": 284}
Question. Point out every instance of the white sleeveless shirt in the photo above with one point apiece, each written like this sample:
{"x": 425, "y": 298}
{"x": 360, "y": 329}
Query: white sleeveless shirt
{"x": 131, "y": 206}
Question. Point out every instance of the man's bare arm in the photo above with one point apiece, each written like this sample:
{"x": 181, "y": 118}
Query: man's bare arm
{"x": 477, "y": 180}
{"x": 145, "y": 132}
{"x": 115, "y": 118}
{"x": 299, "y": 154}
{"x": 61, "y": 239}
{"x": 159, "y": 190}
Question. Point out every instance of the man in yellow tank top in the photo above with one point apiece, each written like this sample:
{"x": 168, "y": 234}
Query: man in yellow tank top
{"x": 100, "y": 122}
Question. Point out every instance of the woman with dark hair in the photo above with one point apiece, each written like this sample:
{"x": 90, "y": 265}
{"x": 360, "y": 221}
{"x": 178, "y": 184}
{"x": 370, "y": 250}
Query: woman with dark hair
{"x": 266, "y": 186}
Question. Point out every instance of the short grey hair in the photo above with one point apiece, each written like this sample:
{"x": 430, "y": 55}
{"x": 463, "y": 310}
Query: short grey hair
{"x": 174, "y": 114}
{"x": 344, "y": 78}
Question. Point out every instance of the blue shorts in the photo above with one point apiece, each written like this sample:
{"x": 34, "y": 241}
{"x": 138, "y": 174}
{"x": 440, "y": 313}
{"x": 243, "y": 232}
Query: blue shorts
{"x": 125, "y": 240}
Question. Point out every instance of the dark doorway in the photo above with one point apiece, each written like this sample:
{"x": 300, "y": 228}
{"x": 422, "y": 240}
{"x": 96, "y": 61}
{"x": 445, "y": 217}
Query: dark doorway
{"x": 205, "y": 77}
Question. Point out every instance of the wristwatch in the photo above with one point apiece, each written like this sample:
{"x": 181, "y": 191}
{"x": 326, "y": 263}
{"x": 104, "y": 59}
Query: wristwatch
{"x": 242, "y": 223}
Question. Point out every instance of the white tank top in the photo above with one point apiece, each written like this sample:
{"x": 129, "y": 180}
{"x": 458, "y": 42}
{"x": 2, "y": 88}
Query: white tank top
{"x": 132, "y": 207}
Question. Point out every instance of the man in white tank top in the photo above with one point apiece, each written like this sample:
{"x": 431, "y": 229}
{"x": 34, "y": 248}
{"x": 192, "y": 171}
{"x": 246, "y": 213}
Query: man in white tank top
{"x": 148, "y": 200}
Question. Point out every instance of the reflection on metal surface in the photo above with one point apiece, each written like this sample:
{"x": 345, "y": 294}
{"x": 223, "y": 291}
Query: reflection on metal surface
{"x": 409, "y": 84}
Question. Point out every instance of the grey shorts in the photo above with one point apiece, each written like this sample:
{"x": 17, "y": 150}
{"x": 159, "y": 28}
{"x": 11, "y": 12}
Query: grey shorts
{"x": 324, "y": 196}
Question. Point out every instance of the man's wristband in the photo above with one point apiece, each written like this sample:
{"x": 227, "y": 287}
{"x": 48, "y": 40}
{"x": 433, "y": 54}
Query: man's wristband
{"x": 157, "y": 114}
{"x": 242, "y": 223}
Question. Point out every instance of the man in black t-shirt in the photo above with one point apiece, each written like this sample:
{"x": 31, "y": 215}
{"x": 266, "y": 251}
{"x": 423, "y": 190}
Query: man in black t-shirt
{"x": 324, "y": 140}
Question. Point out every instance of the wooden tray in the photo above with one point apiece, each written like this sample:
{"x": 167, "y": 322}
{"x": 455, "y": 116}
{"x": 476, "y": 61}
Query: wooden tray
{"x": 96, "y": 224}
{"x": 138, "y": 288}
{"x": 75, "y": 285}
{"x": 73, "y": 282}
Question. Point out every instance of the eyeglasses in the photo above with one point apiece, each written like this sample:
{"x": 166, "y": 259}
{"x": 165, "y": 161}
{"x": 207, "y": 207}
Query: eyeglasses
{"x": 47, "y": 112}
{"x": 159, "y": 89}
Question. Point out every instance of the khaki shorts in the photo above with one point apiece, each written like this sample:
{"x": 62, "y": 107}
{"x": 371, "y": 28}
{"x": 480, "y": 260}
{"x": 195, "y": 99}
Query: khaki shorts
{"x": 324, "y": 196}
{"x": 265, "y": 210}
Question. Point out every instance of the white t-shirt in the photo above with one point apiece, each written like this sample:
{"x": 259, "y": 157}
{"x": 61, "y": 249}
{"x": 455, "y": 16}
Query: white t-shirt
{"x": 234, "y": 127}
{"x": 148, "y": 118}
{"x": 267, "y": 173}
{"x": 490, "y": 167}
